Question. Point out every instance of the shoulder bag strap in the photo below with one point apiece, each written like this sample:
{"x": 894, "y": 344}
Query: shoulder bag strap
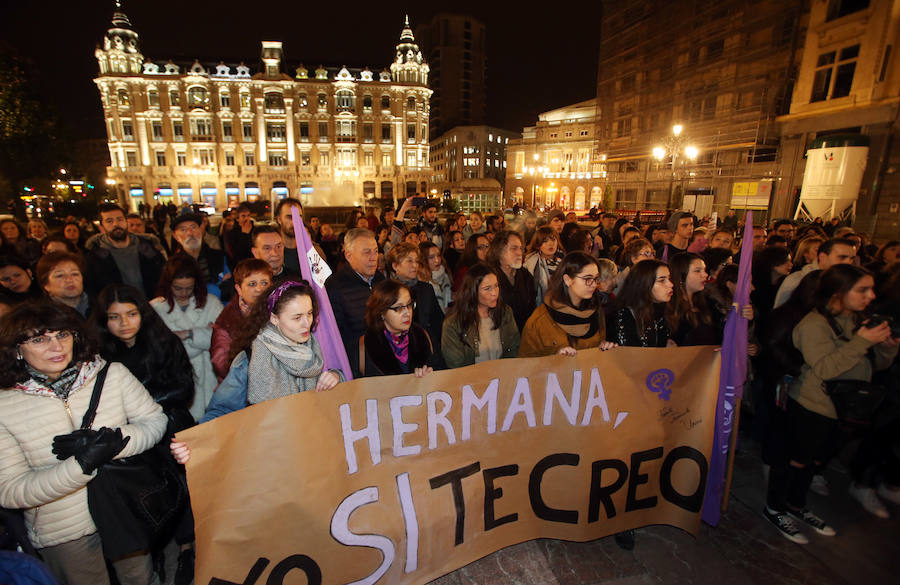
{"x": 88, "y": 419}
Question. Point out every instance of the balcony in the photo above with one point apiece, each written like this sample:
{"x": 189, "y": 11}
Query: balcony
{"x": 276, "y": 139}
{"x": 128, "y": 138}
{"x": 323, "y": 139}
{"x": 227, "y": 138}
{"x": 274, "y": 110}
{"x": 345, "y": 139}
{"x": 201, "y": 138}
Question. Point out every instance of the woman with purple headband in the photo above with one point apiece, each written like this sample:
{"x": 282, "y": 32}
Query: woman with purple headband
{"x": 276, "y": 355}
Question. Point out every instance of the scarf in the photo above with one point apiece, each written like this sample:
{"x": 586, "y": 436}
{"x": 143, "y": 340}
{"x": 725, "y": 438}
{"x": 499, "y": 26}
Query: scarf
{"x": 62, "y": 385}
{"x": 399, "y": 345}
{"x": 280, "y": 367}
{"x": 577, "y": 323}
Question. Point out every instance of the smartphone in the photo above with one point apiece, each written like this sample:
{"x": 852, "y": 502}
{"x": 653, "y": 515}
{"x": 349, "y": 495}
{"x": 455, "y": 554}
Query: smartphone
{"x": 419, "y": 201}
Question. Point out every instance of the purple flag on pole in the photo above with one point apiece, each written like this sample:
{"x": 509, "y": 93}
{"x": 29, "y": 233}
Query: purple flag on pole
{"x": 314, "y": 270}
{"x": 731, "y": 380}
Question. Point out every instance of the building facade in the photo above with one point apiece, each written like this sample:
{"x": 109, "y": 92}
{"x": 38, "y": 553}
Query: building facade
{"x": 219, "y": 134}
{"x": 469, "y": 165}
{"x": 688, "y": 93}
{"x": 456, "y": 48}
{"x": 849, "y": 83}
{"x": 552, "y": 164}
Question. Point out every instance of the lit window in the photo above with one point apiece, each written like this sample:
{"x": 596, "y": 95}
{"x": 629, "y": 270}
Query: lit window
{"x": 245, "y": 100}
{"x": 174, "y": 98}
{"x": 124, "y": 98}
{"x": 225, "y": 98}
{"x": 274, "y": 103}
{"x": 345, "y": 101}
{"x": 277, "y": 159}
{"x": 302, "y": 101}
{"x": 198, "y": 97}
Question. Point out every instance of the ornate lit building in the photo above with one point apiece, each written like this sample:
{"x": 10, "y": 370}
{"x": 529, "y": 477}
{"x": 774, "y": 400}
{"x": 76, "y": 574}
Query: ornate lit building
{"x": 218, "y": 134}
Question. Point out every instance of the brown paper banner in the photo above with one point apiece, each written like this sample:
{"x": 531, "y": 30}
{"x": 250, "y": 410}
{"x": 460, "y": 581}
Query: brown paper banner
{"x": 400, "y": 480}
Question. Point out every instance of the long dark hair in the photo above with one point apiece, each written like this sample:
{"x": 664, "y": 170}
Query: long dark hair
{"x": 465, "y": 301}
{"x": 693, "y": 308}
{"x": 260, "y": 313}
{"x": 33, "y": 318}
{"x": 571, "y": 264}
{"x": 838, "y": 281}
{"x": 637, "y": 291}
{"x": 181, "y": 266}
{"x": 470, "y": 253}
{"x": 164, "y": 363}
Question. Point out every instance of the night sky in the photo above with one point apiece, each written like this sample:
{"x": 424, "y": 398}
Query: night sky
{"x": 536, "y": 61}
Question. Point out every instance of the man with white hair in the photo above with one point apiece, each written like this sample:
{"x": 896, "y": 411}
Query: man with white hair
{"x": 350, "y": 286}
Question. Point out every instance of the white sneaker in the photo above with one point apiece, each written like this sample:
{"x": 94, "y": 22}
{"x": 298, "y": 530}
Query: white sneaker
{"x": 888, "y": 494}
{"x": 870, "y": 502}
{"x": 819, "y": 485}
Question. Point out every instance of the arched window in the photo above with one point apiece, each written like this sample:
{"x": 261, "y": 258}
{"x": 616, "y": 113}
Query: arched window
{"x": 385, "y": 102}
{"x": 274, "y": 103}
{"x": 302, "y": 101}
{"x": 123, "y": 97}
{"x": 198, "y": 97}
{"x": 345, "y": 101}
{"x": 322, "y": 102}
{"x": 367, "y": 103}
{"x": 410, "y": 103}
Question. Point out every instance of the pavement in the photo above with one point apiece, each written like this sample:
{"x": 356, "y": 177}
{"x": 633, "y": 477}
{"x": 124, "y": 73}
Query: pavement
{"x": 745, "y": 549}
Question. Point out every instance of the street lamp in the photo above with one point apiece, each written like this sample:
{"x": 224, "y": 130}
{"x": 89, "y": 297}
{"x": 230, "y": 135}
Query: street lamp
{"x": 673, "y": 146}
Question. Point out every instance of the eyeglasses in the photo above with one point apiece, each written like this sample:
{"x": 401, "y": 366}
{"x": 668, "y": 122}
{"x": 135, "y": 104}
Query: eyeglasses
{"x": 647, "y": 254}
{"x": 483, "y": 246}
{"x": 403, "y": 308}
{"x": 589, "y": 280}
{"x": 44, "y": 340}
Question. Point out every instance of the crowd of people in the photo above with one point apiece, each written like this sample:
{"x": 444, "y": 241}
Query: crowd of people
{"x": 197, "y": 325}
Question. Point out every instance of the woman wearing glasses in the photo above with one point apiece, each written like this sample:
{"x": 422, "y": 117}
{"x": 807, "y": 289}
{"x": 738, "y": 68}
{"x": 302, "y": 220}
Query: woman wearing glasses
{"x": 50, "y": 367}
{"x": 635, "y": 251}
{"x": 479, "y": 327}
{"x": 476, "y": 251}
{"x": 393, "y": 344}
{"x": 571, "y": 316}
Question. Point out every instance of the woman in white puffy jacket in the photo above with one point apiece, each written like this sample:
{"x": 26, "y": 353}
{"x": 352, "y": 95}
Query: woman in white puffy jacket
{"x": 50, "y": 366}
{"x": 190, "y": 313}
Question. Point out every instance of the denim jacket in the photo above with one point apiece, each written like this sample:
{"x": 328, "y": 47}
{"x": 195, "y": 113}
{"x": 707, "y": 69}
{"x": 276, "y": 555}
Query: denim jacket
{"x": 231, "y": 394}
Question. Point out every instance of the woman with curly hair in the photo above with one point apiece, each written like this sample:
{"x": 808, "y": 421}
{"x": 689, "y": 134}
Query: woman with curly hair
{"x": 187, "y": 309}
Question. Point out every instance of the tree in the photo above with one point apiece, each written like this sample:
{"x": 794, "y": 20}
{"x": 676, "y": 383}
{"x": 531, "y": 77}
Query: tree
{"x": 29, "y": 128}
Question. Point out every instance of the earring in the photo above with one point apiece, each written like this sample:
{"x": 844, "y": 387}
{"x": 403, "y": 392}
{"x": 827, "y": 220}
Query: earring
{"x": 18, "y": 356}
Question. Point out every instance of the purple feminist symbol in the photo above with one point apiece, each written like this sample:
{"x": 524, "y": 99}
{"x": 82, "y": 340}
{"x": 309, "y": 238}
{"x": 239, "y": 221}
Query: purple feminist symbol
{"x": 660, "y": 381}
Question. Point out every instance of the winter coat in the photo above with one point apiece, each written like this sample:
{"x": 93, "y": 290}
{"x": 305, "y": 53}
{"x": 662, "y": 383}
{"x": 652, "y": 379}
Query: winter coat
{"x": 518, "y": 295}
{"x": 460, "y": 348}
{"x": 348, "y": 294}
{"x": 543, "y": 336}
{"x": 196, "y": 320}
{"x": 381, "y": 361}
{"x": 228, "y": 322}
{"x": 827, "y": 356}
{"x": 102, "y": 269}
{"x": 52, "y": 492}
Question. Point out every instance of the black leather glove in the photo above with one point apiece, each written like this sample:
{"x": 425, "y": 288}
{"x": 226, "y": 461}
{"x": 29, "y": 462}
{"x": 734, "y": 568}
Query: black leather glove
{"x": 64, "y": 446}
{"x": 101, "y": 449}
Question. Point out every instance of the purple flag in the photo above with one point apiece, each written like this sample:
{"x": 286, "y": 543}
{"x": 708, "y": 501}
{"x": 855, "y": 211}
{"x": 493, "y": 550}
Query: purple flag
{"x": 314, "y": 270}
{"x": 731, "y": 380}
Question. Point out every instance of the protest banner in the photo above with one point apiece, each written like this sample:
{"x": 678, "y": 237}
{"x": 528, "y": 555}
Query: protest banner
{"x": 400, "y": 480}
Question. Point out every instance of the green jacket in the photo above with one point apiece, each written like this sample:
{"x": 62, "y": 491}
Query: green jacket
{"x": 828, "y": 357}
{"x": 460, "y": 348}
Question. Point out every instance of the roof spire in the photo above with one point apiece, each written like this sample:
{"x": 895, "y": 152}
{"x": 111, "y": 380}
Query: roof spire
{"x": 407, "y": 34}
{"x": 119, "y": 18}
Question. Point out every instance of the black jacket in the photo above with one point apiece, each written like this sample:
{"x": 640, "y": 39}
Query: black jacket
{"x": 348, "y": 294}
{"x": 428, "y": 314}
{"x": 519, "y": 295}
{"x": 624, "y": 329}
{"x": 102, "y": 269}
{"x": 381, "y": 361}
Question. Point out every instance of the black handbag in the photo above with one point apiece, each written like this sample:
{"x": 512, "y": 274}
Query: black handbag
{"x": 135, "y": 501}
{"x": 856, "y": 401}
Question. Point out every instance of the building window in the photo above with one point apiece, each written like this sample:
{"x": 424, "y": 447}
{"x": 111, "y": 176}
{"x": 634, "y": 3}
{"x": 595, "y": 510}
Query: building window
{"x": 249, "y": 159}
{"x": 198, "y": 97}
{"x": 274, "y": 103}
{"x": 275, "y": 132}
{"x": 324, "y": 159}
{"x": 127, "y": 131}
{"x": 227, "y": 132}
{"x": 156, "y": 131}
{"x": 178, "y": 131}
{"x": 180, "y": 159}
{"x": 369, "y": 158}
{"x": 346, "y": 131}
{"x": 410, "y": 103}
{"x": 323, "y": 131}
{"x": 247, "y": 131}
{"x": 160, "y": 158}
{"x": 385, "y": 160}
{"x": 304, "y": 131}
{"x": 385, "y": 132}
{"x": 344, "y": 100}
{"x": 304, "y": 159}
{"x": 174, "y": 98}
{"x": 834, "y": 74}
{"x": 124, "y": 98}
{"x": 385, "y": 103}
{"x": 346, "y": 157}
{"x": 302, "y": 101}
{"x": 368, "y": 132}
{"x": 411, "y": 132}
{"x": 367, "y": 103}
{"x": 277, "y": 159}
{"x": 225, "y": 98}
{"x": 153, "y": 98}
{"x": 130, "y": 158}
{"x": 201, "y": 129}
{"x": 245, "y": 100}
{"x": 322, "y": 101}
{"x": 229, "y": 159}
{"x": 839, "y": 8}
{"x": 203, "y": 156}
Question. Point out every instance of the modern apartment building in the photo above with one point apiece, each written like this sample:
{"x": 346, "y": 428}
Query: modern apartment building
{"x": 218, "y": 133}
{"x": 455, "y": 46}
